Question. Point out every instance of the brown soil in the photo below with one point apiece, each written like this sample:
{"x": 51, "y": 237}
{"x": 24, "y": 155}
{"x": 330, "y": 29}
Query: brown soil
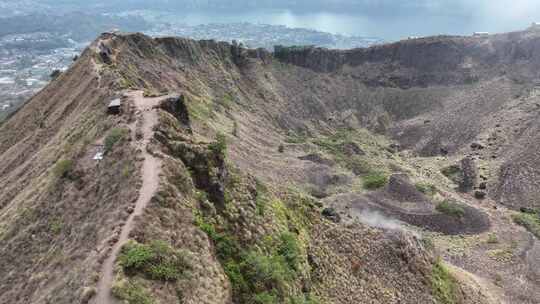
{"x": 147, "y": 114}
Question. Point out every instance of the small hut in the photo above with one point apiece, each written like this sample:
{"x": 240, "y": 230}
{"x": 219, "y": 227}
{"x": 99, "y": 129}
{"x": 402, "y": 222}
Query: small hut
{"x": 114, "y": 107}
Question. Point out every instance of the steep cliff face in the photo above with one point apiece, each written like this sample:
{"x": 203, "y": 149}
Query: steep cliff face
{"x": 422, "y": 62}
{"x": 241, "y": 176}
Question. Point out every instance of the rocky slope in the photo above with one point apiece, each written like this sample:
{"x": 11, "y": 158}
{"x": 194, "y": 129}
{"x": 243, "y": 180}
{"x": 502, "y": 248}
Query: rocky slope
{"x": 304, "y": 176}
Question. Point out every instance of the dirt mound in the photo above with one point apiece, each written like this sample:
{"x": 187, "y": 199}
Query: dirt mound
{"x": 401, "y": 201}
{"x": 400, "y": 189}
{"x": 473, "y": 221}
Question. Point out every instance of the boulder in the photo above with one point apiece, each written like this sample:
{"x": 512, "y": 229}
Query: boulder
{"x": 444, "y": 151}
{"x": 477, "y": 146}
{"x": 105, "y": 53}
{"x": 480, "y": 194}
{"x": 176, "y": 106}
{"x": 331, "y": 214}
{"x": 469, "y": 175}
{"x": 317, "y": 158}
{"x": 394, "y": 148}
{"x": 527, "y": 210}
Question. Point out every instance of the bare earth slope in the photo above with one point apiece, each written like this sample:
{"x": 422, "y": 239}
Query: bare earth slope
{"x": 218, "y": 172}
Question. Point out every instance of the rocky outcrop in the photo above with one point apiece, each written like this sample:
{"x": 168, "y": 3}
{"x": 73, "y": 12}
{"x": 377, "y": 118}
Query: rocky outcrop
{"x": 317, "y": 59}
{"x": 176, "y": 105}
{"x": 442, "y": 60}
{"x": 469, "y": 175}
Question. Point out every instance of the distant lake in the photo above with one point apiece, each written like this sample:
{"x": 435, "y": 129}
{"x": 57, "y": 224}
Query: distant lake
{"x": 388, "y": 27}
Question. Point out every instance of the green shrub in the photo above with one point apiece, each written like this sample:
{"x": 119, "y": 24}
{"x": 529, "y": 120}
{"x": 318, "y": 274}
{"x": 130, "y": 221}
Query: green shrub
{"x": 201, "y": 196}
{"x": 226, "y": 102}
{"x": 63, "y": 168}
{"x": 452, "y": 172}
{"x": 266, "y": 297}
{"x": 428, "y": 243}
{"x": 428, "y": 189}
{"x": 226, "y": 247}
{"x": 256, "y": 276}
{"x": 56, "y": 226}
{"x": 528, "y": 220}
{"x": 131, "y": 292}
{"x": 262, "y": 200}
{"x": 236, "y": 277}
{"x": 114, "y": 136}
{"x": 158, "y": 260}
{"x": 358, "y": 165}
{"x": 126, "y": 172}
{"x": 330, "y": 144}
{"x": 492, "y": 239}
{"x": 443, "y": 285}
{"x": 289, "y": 249}
{"x": 451, "y": 208}
{"x": 269, "y": 271}
{"x": 262, "y": 272}
{"x": 296, "y": 139}
{"x": 375, "y": 180}
{"x": 266, "y": 271}
{"x": 219, "y": 147}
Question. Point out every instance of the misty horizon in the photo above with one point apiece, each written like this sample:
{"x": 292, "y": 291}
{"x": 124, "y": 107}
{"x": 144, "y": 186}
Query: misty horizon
{"x": 386, "y": 19}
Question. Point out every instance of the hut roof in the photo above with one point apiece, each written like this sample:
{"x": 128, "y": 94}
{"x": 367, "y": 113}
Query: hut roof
{"x": 114, "y": 103}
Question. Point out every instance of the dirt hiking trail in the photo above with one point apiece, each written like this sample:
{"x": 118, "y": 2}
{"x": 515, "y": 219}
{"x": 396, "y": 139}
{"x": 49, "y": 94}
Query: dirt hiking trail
{"x": 147, "y": 114}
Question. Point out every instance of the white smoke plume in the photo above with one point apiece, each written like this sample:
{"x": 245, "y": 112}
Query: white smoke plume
{"x": 378, "y": 220}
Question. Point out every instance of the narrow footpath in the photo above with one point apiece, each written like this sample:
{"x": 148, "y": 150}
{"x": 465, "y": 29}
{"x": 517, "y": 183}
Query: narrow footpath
{"x": 150, "y": 181}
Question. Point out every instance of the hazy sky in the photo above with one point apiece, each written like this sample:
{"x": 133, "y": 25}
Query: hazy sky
{"x": 387, "y": 19}
{"x": 390, "y": 19}
{"x": 465, "y": 16}
{"x": 400, "y": 18}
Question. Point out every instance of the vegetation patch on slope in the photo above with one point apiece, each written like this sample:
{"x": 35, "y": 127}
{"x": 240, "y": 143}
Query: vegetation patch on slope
{"x": 157, "y": 260}
{"x": 443, "y": 285}
{"x": 452, "y": 172}
{"x": 267, "y": 270}
{"x": 375, "y": 180}
{"x": 356, "y": 150}
{"x": 426, "y": 188}
{"x": 530, "y": 221}
{"x": 63, "y": 168}
{"x": 113, "y": 137}
{"x": 258, "y": 238}
{"x": 451, "y": 208}
{"x": 131, "y": 292}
